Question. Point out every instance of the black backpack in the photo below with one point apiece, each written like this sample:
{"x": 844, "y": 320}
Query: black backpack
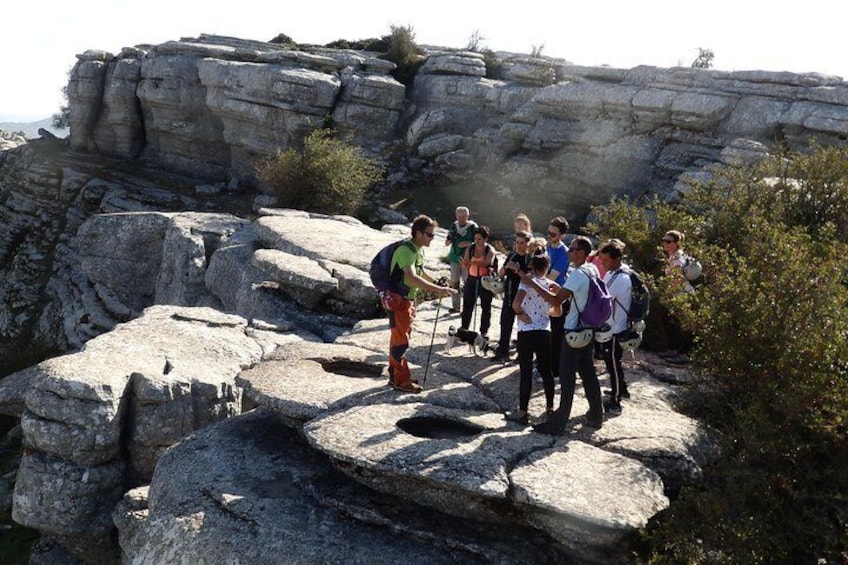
{"x": 640, "y": 297}
{"x": 382, "y": 276}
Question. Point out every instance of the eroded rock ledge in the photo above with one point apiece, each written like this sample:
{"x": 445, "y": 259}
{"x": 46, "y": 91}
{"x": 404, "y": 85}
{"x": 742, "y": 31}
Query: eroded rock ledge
{"x": 533, "y": 130}
{"x": 115, "y": 415}
{"x": 449, "y": 450}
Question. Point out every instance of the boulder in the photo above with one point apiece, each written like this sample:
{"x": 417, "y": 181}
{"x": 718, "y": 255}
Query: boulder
{"x": 455, "y": 63}
{"x": 250, "y": 490}
{"x": 101, "y": 417}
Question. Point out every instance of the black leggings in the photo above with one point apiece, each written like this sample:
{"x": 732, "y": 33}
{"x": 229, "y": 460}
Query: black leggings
{"x": 536, "y": 342}
{"x": 473, "y": 289}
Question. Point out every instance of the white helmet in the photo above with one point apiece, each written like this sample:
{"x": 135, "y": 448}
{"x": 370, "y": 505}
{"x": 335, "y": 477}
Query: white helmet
{"x": 603, "y": 334}
{"x": 692, "y": 269}
{"x": 630, "y": 340}
{"x": 493, "y": 285}
{"x": 638, "y": 326}
{"x": 578, "y": 339}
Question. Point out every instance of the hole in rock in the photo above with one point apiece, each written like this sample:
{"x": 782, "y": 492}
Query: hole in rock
{"x": 352, "y": 369}
{"x": 434, "y": 427}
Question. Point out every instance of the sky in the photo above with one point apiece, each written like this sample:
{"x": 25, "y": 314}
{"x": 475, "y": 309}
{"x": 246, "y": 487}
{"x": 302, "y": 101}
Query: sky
{"x": 39, "y": 39}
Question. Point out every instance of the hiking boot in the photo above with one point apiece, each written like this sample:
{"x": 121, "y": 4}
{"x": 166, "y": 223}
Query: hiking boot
{"x": 453, "y": 311}
{"x": 500, "y": 358}
{"x": 612, "y": 408}
{"x": 594, "y": 422}
{"x": 408, "y": 386}
{"x": 519, "y": 416}
{"x": 553, "y": 426}
{"x": 392, "y": 381}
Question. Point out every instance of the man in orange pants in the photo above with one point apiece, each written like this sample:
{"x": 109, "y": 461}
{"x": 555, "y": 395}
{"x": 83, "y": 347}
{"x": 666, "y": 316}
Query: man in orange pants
{"x": 409, "y": 259}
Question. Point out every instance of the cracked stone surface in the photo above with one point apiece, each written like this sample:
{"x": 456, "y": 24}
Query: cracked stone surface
{"x": 248, "y": 490}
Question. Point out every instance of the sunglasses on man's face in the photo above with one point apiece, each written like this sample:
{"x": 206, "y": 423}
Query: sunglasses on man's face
{"x": 430, "y": 234}
{"x": 553, "y": 234}
{"x": 668, "y": 241}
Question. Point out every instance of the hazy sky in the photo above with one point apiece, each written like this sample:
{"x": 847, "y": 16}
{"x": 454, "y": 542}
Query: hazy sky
{"x": 40, "y": 39}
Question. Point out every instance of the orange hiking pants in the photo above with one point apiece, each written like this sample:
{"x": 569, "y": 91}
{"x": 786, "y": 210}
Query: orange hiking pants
{"x": 400, "y": 321}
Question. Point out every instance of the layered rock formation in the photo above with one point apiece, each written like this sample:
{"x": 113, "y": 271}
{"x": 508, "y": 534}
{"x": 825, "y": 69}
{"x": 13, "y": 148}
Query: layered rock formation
{"x": 183, "y": 319}
{"x": 541, "y": 134}
{"x": 177, "y": 312}
{"x": 101, "y": 421}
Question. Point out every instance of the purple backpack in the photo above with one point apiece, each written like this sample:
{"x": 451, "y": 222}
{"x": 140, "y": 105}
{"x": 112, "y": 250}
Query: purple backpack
{"x": 598, "y": 307}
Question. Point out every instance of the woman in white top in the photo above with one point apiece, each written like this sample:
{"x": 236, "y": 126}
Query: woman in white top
{"x": 679, "y": 340}
{"x": 534, "y": 338}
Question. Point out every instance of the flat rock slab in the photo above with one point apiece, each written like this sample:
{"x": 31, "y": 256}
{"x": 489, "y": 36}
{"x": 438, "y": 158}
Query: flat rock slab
{"x": 586, "y": 497}
{"x": 77, "y": 402}
{"x": 473, "y": 464}
{"x": 302, "y": 381}
{"x": 341, "y": 239}
{"x": 456, "y": 461}
{"x": 248, "y": 490}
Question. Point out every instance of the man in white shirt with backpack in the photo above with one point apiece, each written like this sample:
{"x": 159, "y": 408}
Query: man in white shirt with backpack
{"x": 619, "y": 286}
{"x": 577, "y": 352}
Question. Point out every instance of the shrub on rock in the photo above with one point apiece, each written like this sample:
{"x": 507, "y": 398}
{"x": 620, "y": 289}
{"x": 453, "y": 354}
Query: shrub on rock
{"x": 327, "y": 175}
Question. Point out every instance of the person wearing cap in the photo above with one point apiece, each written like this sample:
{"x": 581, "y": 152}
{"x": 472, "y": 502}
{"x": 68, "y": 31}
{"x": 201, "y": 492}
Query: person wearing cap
{"x": 460, "y": 236}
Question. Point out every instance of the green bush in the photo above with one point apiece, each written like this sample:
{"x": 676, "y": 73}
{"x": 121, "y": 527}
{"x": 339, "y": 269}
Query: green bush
{"x": 327, "y": 175}
{"x": 771, "y": 322}
{"x": 373, "y": 44}
{"x": 403, "y": 52}
{"x": 493, "y": 64}
{"x": 285, "y": 41}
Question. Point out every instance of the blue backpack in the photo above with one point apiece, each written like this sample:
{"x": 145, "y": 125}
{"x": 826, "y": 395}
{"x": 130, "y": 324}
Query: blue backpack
{"x": 383, "y": 277}
{"x": 598, "y": 307}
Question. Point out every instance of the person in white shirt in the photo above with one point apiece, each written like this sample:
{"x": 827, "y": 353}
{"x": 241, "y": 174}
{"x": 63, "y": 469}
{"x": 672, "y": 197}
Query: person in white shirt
{"x": 573, "y": 360}
{"x": 619, "y": 286}
{"x": 534, "y": 337}
{"x": 680, "y": 341}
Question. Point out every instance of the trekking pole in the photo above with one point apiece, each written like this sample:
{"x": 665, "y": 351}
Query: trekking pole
{"x": 432, "y": 340}
{"x": 476, "y": 296}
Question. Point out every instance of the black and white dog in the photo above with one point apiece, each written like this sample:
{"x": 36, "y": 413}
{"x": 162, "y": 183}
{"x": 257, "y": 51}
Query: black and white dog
{"x": 478, "y": 344}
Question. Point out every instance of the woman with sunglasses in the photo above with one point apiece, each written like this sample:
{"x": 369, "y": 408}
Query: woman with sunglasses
{"x": 679, "y": 340}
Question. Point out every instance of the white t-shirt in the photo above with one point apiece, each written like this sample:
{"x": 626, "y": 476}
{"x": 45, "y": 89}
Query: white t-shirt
{"x": 534, "y": 306}
{"x": 578, "y": 283}
{"x": 619, "y": 286}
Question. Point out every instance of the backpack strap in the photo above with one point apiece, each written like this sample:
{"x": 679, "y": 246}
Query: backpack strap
{"x": 615, "y": 274}
{"x": 589, "y": 276}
